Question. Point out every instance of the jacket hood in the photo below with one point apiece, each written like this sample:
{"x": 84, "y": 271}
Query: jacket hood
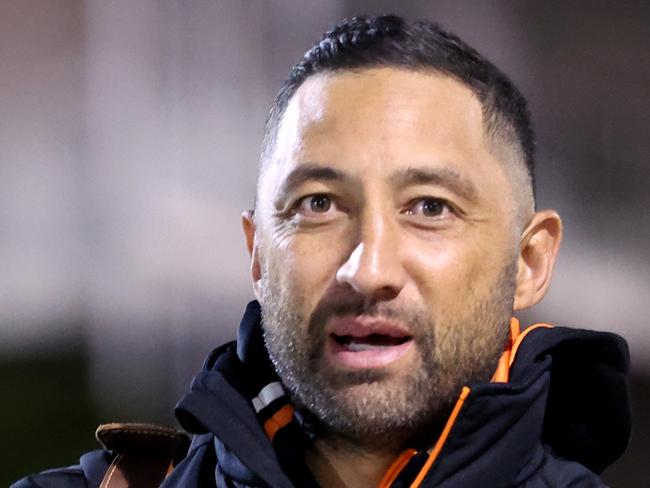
{"x": 567, "y": 390}
{"x": 588, "y": 415}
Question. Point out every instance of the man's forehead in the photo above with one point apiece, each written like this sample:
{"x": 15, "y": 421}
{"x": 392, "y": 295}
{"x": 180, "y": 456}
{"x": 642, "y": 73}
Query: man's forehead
{"x": 381, "y": 104}
{"x": 389, "y": 115}
{"x": 395, "y": 91}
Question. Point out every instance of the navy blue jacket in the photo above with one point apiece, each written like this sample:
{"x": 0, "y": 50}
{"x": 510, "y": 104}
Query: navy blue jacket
{"x": 562, "y": 417}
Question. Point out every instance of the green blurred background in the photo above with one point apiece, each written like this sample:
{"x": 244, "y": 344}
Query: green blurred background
{"x": 48, "y": 416}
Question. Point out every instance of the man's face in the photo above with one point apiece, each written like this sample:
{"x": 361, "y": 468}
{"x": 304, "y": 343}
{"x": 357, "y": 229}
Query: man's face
{"x": 385, "y": 257}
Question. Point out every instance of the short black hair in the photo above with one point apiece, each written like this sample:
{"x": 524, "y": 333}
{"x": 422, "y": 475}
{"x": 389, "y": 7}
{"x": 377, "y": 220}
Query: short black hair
{"x": 389, "y": 41}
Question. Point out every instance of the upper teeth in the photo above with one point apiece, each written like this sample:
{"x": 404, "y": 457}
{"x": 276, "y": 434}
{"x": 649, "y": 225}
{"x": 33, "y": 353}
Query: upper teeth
{"x": 362, "y": 346}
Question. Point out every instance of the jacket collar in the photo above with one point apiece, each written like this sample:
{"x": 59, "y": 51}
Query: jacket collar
{"x": 220, "y": 401}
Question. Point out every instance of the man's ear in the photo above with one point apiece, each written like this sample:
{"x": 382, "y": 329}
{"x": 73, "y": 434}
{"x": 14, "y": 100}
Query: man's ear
{"x": 250, "y": 229}
{"x": 538, "y": 250}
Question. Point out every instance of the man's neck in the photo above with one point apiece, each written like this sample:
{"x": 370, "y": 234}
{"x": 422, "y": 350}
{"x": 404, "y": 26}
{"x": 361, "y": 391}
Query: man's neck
{"x": 338, "y": 464}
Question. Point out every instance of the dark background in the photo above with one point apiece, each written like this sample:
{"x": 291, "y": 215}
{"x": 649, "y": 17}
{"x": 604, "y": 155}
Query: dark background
{"x": 129, "y": 136}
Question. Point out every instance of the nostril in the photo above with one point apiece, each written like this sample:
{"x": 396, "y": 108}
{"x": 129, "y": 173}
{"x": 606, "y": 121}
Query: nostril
{"x": 386, "y": 293}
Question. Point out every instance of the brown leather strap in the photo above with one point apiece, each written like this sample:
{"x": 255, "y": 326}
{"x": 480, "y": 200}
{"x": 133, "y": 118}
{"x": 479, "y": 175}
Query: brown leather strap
{"x": 135, "y": 471}
{"x": 144, "y": 454}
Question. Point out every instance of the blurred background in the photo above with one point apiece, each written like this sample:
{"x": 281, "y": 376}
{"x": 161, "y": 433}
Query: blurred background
{"x": 129, "y": 136}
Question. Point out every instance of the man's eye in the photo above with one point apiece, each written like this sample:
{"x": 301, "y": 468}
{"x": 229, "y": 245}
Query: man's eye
{"x": 430, "y": 207}
{"x": 315, "y": 204}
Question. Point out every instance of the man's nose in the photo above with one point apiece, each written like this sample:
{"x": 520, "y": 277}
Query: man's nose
{"x": 374, "y": 267}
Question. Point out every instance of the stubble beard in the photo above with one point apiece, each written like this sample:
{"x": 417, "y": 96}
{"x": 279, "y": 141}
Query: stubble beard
{"x": 377, "y": 407}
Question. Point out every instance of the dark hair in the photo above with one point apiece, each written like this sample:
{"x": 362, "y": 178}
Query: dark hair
{"x": 367, "y": 42}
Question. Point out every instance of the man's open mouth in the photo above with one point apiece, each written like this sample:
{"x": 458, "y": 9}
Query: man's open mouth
{"x": 369, "y": 342}
{"x": 366, "y": 342}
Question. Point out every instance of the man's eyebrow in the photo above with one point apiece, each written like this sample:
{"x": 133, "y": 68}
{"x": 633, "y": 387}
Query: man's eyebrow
{"x": 445, "y": 177}
{"x": 309, "y": 172}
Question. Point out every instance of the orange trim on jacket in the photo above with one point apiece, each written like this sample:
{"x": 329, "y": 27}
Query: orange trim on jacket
{"x": 503, "y": 366}
{"x": 502, "y": 373}
{"x": 433, "y": 454}
{"x": 279, "y": 419}
{"x": 520, "y": 339}
{"x": 395, "y": 468}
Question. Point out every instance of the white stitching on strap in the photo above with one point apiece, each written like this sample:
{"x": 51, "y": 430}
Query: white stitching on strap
{"x": 106, "y": 482}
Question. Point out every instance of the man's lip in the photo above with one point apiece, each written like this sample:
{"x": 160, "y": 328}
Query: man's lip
{"x": 363, "y": 326}
{"x": 377, "y": 353}
{"x": 375, "y": 357}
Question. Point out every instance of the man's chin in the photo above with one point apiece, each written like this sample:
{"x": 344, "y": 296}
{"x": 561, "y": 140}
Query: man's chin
{"x": 357, "y": 381}
{"x": 369, "y": 415}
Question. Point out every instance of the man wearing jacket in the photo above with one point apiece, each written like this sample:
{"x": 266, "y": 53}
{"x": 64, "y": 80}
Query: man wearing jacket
{"x": 393, "y": 235}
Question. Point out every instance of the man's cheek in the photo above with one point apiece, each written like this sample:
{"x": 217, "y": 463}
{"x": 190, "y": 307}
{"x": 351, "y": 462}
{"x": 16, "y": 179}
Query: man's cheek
{"x": 439, "y": 270}
{"x": 312, "y": 262}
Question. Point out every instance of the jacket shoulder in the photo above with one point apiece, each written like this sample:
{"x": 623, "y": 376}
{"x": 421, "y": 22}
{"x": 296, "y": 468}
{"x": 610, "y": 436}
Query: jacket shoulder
{"x": 70, "y": 477}
{"x": 88, "y": 473}
{"x": 556, "y": 472}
